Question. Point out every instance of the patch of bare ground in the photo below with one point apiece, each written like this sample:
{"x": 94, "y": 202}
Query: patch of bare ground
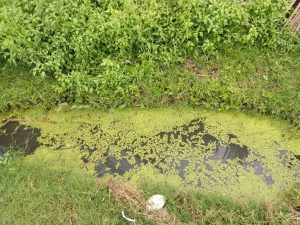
{"x": 190, "y": 66}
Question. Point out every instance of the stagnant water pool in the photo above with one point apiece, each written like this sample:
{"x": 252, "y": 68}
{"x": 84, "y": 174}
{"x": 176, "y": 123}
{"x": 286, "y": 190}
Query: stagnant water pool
{"x": 228, "y": 152}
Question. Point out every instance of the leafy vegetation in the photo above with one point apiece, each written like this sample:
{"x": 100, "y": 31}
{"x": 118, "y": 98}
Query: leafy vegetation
{"x": 82, "y": 36}
{"x": 19, "y": 89}
{"x": 125, "y": 53}
{"x": 142, "y": 53}
{"x": 86, "y": 37}
{"x": 250, "y": 80}
{"x": 68, "y": 195}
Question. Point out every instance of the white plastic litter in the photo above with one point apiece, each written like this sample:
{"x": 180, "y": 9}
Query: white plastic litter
{"x": 156, "y": 202}
{"x": 128, "y": 219}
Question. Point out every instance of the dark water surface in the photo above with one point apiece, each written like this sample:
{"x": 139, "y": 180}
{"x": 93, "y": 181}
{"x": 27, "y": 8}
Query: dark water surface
{"x": 223, "y": 152}
{"x": 15, "y": 136}
{"x": 18, "y": 136}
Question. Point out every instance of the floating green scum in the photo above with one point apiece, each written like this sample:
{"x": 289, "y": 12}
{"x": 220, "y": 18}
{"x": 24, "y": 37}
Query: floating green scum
{"x": 231, "y": 153}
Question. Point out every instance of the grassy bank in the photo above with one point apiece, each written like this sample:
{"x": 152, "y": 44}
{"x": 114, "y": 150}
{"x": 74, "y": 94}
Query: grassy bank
{"x": 216, "y": 54}
{"x": 19, "y": 89}
{"x": 36, "y": 192}
{"x": 248, "y": 80}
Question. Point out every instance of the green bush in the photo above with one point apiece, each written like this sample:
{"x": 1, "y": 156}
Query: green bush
{"x": 112, "y": 53}
{"x": 66, "y": 37}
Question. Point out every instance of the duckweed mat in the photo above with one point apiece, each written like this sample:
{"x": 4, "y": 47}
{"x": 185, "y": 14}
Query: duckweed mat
{"x": 235, "y": 154}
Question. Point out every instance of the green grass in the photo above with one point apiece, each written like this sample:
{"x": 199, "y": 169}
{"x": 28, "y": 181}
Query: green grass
{"x": 257, "y": 81}
{"x": 20, "y": 89}
{"x": 32, "y": 192}
{"x": 243, "y": 79}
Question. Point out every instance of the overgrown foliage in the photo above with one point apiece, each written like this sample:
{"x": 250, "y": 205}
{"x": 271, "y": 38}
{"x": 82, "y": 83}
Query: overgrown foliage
{"x": 126, "y": 52}
{"x": 87, "y": 36}
{"x": 250, "y": 80}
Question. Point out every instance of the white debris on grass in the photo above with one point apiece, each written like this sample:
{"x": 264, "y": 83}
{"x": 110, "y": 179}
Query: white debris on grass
{"x": 156, "y": 202}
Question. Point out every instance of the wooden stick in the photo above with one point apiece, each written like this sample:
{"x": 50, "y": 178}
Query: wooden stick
{"x": 296, "y": 22}
{"x": 294, "y": 18}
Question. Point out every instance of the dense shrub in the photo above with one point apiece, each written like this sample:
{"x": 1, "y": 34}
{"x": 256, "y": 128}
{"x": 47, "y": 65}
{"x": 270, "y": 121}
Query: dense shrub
{"x": 115, "y": 52}
{"x": 66, "y": 37}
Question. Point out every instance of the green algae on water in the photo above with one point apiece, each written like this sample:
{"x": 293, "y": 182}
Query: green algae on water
{"x": 192, "y": 145}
